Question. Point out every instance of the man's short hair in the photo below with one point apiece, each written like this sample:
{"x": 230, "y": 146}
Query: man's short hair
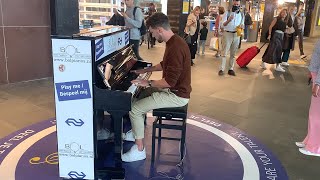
{"x": 158, "y": 19}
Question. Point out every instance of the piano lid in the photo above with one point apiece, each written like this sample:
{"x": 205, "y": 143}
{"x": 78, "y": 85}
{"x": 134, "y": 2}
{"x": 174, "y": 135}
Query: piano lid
{"x": 114, "y": 69}
{"x": 99, "y": 31}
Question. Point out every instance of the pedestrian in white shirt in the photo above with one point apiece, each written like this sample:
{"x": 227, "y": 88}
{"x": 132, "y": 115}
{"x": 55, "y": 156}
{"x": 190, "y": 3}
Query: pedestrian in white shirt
{"x": 231, "y": 21}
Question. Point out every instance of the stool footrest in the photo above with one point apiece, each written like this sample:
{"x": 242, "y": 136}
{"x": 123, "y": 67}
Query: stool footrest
{"x": 168, "y": 138}
{"x": 167, "y": 126}
{"x": 173, "y": 119}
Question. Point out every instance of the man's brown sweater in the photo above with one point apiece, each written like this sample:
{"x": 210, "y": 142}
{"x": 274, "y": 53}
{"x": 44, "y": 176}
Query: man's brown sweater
{"x": 176, "y": 66}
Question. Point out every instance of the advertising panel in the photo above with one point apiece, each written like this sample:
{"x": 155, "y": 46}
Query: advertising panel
{"x": 110, "y": 44}
{"x": 185, "y": 7}
{"x": 74, "y": 107}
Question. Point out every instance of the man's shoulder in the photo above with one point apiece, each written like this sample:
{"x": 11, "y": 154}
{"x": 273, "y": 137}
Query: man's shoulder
{"x": 137, "y": 10}
{"x": 178, "y": 43}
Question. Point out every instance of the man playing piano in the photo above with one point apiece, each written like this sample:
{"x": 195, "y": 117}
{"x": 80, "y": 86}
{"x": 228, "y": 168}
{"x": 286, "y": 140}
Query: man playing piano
{"x": 173, "y": 90}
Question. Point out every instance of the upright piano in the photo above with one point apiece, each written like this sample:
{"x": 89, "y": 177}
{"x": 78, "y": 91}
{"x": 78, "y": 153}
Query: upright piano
{"x": 92, "y": 74}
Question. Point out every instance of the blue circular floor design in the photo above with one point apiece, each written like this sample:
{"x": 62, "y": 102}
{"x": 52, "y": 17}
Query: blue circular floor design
{"x": 214, "y": 150}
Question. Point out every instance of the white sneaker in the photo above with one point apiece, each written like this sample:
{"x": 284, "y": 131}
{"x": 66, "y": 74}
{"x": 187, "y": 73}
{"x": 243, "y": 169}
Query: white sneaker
{"x": 285, "y": 64}
{"x": 300, "y": 144}
{"x": 280, "y": 69}
{"x": 306, "y": 152}
{"x": 134, "y": 154}
{"x": 128, "y": 136}
{"x": 103, "y": 134}
{"x": 263, "y": 65}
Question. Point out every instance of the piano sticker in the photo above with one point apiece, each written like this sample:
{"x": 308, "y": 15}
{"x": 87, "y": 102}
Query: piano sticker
{"x": 99, "y": 48}
{"x": 126, "y": 37}
{"x": 74, "y": 90}
{"x": 110, "y": 44}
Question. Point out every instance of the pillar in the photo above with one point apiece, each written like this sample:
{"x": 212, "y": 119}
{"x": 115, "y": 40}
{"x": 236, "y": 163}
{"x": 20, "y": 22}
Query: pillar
{"x": 270, "y": 7}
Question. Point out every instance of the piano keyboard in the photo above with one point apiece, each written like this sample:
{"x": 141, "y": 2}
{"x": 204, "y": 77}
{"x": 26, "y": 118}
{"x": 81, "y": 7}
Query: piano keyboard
{"x": 133, "y": 88}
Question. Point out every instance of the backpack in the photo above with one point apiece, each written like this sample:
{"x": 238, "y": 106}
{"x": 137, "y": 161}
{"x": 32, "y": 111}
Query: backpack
{"x": 143, "y": 28}
{"x": 248, "y": 20}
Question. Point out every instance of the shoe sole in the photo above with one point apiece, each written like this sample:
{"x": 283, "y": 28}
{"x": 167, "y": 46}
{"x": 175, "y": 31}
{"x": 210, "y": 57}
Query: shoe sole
{"x": 305, "y": 152}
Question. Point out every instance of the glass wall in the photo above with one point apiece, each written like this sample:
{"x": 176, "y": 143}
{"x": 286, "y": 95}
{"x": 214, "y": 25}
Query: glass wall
{"x": 97, "y": 12}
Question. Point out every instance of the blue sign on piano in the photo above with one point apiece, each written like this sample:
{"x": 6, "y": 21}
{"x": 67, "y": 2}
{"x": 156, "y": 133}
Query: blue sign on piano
{"x": 127, "y": 37}
{"x": 99, "y": 48}
{"x": 74, "y": 90}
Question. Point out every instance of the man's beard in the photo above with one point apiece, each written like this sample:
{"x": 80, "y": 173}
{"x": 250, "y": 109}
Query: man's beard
{"x": 160, "y": 40}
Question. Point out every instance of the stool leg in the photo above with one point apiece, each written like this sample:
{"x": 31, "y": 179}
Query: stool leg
{"x": 183, "y": 139}
{"x": 159, "y": 130}
{"x": 153, "y": 141}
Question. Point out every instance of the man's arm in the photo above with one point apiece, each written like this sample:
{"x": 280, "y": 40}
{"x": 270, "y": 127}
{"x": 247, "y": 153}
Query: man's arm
{"x": 162, "y": 83}
{"x": 225, "y": 20}
{"x": 157, "y": 67}
{"x": 190, "y": 21}
{"x": 173, "y": 72}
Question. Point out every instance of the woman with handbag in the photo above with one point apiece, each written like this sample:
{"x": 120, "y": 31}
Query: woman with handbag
{"x": 289, "y": 36}
{"x": 311, "y": 144}
{"x": 192, "y": 31}
{"x": 273, "y": 53}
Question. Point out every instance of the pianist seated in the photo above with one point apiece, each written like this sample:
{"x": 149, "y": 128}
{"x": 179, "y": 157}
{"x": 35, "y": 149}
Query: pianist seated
{"x": 173, "y": 90}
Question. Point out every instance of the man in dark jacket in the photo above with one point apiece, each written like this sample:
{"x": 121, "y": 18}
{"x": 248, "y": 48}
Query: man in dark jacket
{"x": 247, "y": 23}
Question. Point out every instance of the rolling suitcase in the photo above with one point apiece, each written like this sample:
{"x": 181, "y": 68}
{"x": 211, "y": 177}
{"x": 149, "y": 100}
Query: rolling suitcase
{"x": 244, "y": 59}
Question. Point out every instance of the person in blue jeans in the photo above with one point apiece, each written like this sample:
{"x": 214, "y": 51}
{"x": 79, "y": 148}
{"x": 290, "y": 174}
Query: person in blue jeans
{"x": 247, "y": 23}
{"x": 203, "y": 37}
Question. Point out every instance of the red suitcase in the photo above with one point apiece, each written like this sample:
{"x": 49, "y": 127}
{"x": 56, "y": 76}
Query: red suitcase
{"x": 244, "y": 59}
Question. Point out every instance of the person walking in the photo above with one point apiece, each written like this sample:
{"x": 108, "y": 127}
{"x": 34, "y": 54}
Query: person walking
{"x": 151, "y": 10}
{"x": 273, "y": 53}
{"x": 289, "y": 36}
{"x": 247, "y": 22}
{"x": 299, "y": 23}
